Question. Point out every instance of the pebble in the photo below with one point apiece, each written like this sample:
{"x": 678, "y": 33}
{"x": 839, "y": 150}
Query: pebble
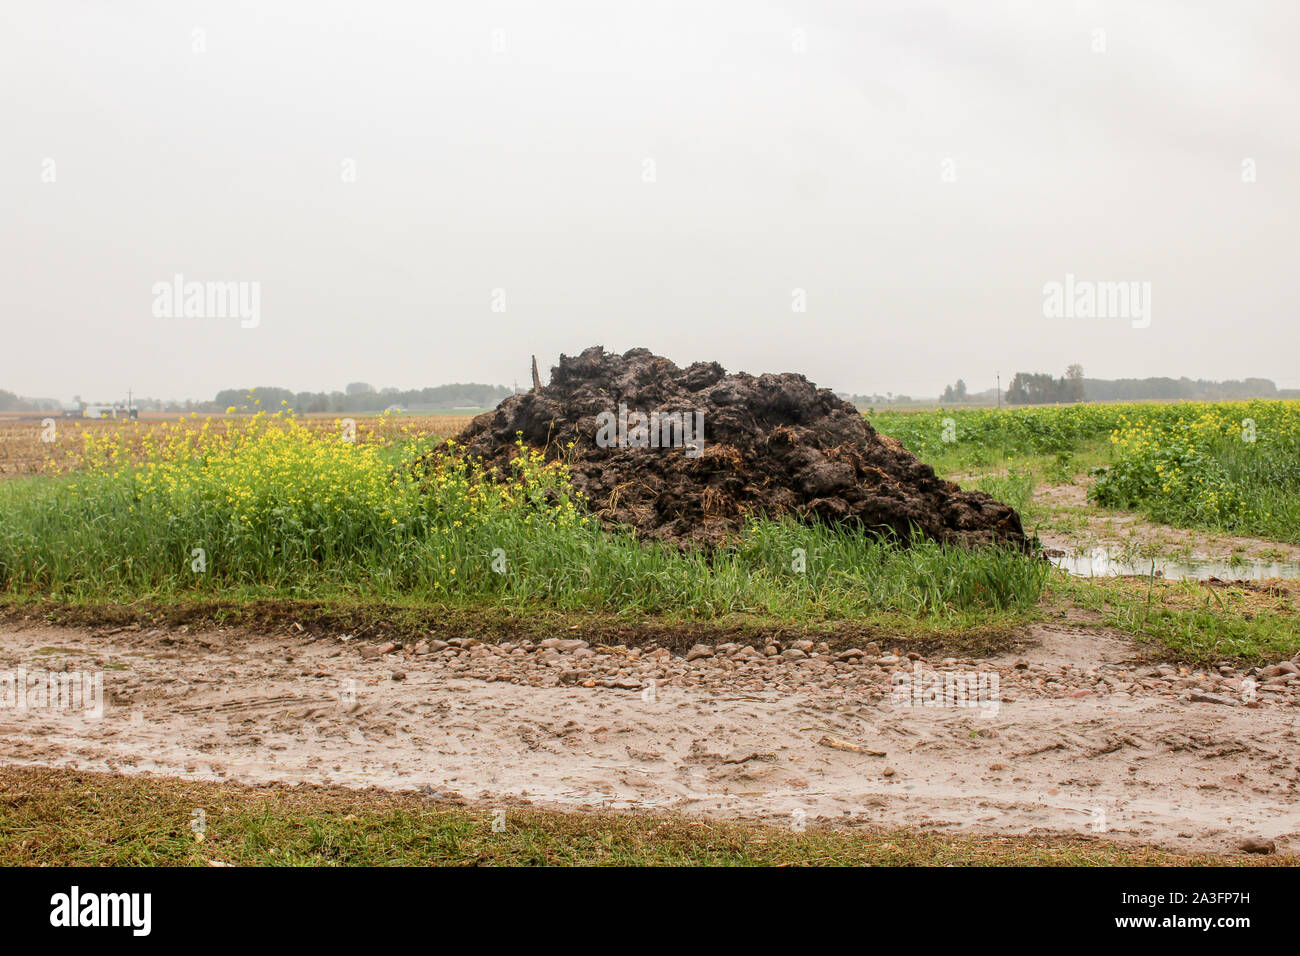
{"x": 1257, "y": 845}
{"x": 865, "y": 673}
{"x": 1203, "y": 698}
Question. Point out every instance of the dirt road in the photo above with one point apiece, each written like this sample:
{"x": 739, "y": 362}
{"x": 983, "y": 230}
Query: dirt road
{"x": 1073, "y": 733}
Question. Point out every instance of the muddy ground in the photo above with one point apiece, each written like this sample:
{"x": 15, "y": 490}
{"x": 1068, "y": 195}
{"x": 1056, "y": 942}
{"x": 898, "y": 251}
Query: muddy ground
{"x": 1086, "y": 526}
{"x": 1083, "y": 735}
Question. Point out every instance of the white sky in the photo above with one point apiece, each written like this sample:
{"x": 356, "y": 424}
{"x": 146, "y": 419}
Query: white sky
{"x": 521, "y": 169}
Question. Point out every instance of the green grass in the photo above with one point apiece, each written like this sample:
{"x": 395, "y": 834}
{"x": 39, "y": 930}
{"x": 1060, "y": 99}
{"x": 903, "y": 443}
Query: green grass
{"x": 462, "y": 542}
{"x": 1189, "y": 620}
{"x": 970, "y": 439}
{"x": 1015, "y": 487}
{"x": 1177, "y": 620}
{"x": 1231, "y": 467}
{"x": 62, "y": 818}
{"x": 1008, "y": 453}
{"x": 1220, "y": 484}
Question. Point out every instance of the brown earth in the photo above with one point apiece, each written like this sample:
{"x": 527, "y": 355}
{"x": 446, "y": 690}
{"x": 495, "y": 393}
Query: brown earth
{"x": 1081, "y": 736}
{"x": 773, "y": 445}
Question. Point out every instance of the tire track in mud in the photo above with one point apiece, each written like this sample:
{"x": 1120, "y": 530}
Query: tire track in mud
{"x": 1081, "y": 737}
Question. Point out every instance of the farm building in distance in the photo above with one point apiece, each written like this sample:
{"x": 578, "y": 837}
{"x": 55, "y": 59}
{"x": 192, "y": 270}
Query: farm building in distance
{"x": 104, "y": 411}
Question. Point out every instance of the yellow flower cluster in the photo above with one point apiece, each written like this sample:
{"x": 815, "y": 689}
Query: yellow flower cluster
{"x": 276, "y": 477}
{"x": 1187, "y": 460}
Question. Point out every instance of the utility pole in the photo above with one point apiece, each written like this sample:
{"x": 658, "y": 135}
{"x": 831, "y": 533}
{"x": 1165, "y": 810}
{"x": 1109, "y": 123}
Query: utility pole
{"x": 999, "y": 374}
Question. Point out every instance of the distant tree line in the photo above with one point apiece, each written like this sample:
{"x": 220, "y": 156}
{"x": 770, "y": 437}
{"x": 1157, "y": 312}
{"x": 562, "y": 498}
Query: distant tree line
{"x": 1185, "y": 389}
{"x": 870, "y": 401}
{"x": 9, "y": 402}
{"x": 356, "y": 397}
{"x": 1039, "y": 388}
{"x": 361, "y": 397}
{"x": 1026, "y": 388}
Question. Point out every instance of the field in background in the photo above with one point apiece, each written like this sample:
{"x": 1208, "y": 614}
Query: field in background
{"x": 25, "y": 450}
{"x": 1230, "y": 467}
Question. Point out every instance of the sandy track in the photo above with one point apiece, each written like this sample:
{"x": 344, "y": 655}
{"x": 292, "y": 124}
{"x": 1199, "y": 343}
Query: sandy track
{"x": 1086, "y": 738}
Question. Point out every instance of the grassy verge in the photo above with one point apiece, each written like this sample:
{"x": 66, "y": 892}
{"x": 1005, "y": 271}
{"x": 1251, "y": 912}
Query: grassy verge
{"x": 1230, "y": 467}
{"x": 272, "y": 509}
{"x": 63, "y": 818}
{"x": 783, "y": 571}
{"x": 1195, "y": 622}
{"x": 1192, "y": 621}
{"x": 408, "y": 620}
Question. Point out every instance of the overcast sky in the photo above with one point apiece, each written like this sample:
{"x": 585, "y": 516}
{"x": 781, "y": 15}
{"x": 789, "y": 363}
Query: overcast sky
{"x": 655, "y": 174}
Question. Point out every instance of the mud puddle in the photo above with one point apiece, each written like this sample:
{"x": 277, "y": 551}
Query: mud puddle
{"x": 1105, "y": 562}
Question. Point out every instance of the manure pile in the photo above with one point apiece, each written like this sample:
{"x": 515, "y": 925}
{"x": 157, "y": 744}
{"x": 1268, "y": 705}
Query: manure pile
{"x": 771, "y": 444}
